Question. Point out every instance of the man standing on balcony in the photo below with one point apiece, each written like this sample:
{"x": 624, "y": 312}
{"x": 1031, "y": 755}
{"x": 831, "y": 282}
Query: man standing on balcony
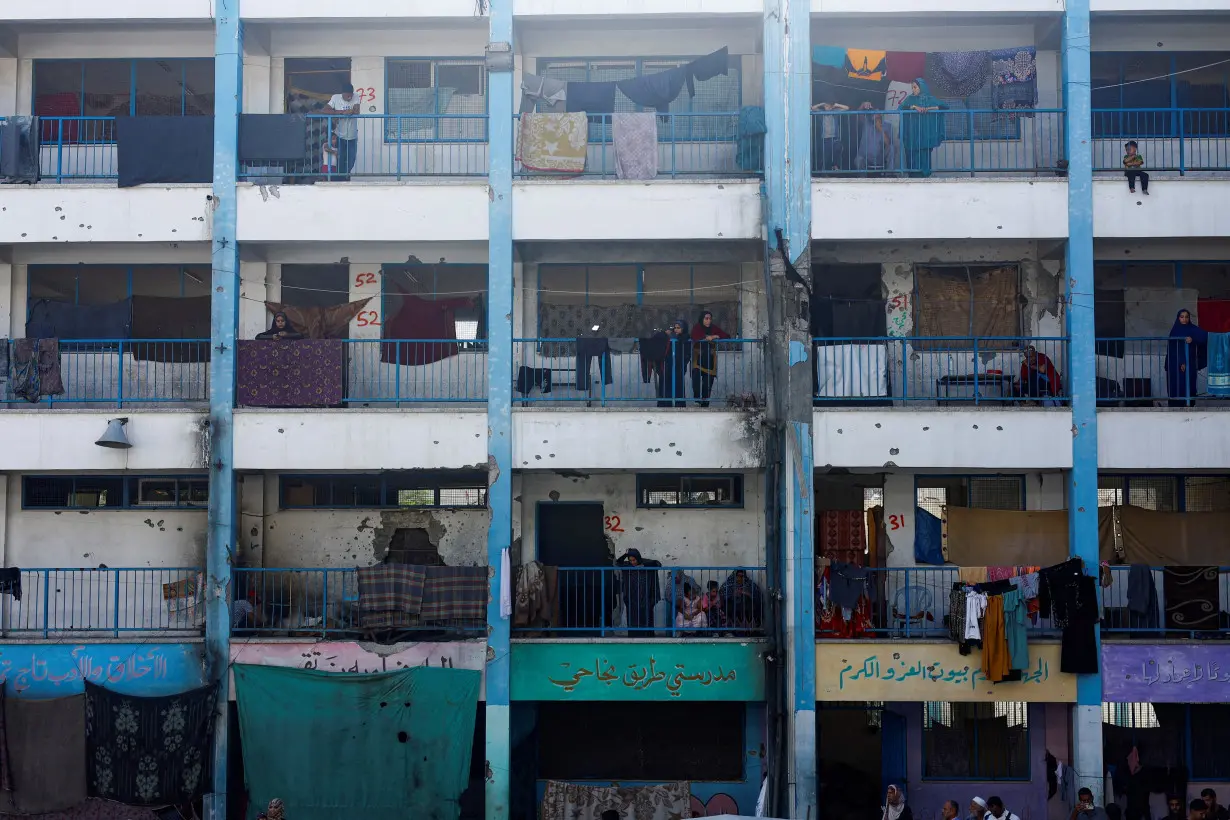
{"x": 346, "y": 107}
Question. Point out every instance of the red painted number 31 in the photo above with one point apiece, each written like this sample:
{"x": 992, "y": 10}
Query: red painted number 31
{"x": 612, "y": 523}
{"x": 896, "y": 522}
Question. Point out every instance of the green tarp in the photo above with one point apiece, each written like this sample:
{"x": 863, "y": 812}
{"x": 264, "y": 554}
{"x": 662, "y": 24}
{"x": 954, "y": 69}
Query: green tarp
{"x": 385, "y": 746}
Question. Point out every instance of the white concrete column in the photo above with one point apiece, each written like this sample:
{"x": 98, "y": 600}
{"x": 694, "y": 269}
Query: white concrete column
{"x": 25, "y": 87}
{"x": 900, "y": 500}
{"x": 365, "y": 281}
{"x": 252, "y": 520}
{"x": 1044, "y": 491}
{"x": 8, "y": 85}
{"x": 5, "y": 480}
{"x": 277, "y": 85}
{"x": 257, "y": 79}
{"x": 253, "y": 291}
{"x": 13, "y": 287}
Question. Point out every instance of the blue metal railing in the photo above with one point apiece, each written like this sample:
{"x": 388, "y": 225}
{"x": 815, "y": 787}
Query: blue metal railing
{"x": 1133, "y": 370}
{"x": 119, "y": 372}
{"x": 689, "y": 144}
{"x": 729, "y": 374}
{"x": 311, "y": 600}
{"x": 675, "y": 602}
{"x": 385, "y": 145}
{"x": 947, "y": 369}
{"x": 76, "y": 148}
{"x": 974, "y": 141}
{"x": 115, "y": 600}
{"x": 1207, "y": 614}
{"x": 905, "y": 602}
{"x": 397, "y": 371}
{"x": 1169, "y": 139}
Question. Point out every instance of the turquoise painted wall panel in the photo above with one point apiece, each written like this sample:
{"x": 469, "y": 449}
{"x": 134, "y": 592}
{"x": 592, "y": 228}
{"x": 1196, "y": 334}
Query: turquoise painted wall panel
{"x": 57, "y": 670}
{"x": 638, "y": 670}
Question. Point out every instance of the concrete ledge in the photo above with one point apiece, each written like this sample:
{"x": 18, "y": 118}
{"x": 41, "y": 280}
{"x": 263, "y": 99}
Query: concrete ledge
{"x": 1163, "y": 439}
{"x": 41, "y": 440}
{"x": 104, "y": 213}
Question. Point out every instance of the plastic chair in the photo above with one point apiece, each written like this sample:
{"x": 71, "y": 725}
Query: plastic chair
{"x": 912, "y": 609}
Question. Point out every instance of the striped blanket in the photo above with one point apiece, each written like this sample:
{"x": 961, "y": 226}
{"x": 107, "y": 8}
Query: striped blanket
{"x": 390, "y": 595}
{"x": 455, "y": 594}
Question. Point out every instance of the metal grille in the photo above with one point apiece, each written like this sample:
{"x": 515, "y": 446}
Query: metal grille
{"x": 1130, "y": 715}
{"x": 978, "y": 492}
{"x": 1206, "y": 493}
{"x": 450, "y": 97}
{"x": 1110, "y": 490}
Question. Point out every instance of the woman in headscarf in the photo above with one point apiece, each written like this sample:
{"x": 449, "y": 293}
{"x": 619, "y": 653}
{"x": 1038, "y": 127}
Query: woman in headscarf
{"x": 1187, "y": 353}
{"x": 923, "y": 129}
{"x": 894, "y": 805}
{"x": 704, "y": 357}
{"x": 639, "y": 590}
{"x": 280, "y": 329}
{"x": 1039, "y": 378}
{"x": 741, "y": 603}
{"x": 674, "y": 373}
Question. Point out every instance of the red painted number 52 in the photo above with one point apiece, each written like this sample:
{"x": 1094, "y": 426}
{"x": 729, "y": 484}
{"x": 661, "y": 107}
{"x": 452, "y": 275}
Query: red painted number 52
{"x": 367, "y": 318}
{"x": 362, "y": 279}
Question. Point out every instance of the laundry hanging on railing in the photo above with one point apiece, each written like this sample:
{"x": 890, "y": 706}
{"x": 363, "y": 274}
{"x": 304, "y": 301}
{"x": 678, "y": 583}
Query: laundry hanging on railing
{"x": 545, "y": 95}
{"x": 1219, "y": 364}
{"x": 164, "y": 150}
{"x": 332, "y": 322}
{"x": 35, "y": 369}
{"x": 866, "y": 64}
{"x": 170, "y": 317}
{"x": 272, "y": 137}
{"x": 424, "y": 319}
{"x": 590, "y": 98}
{"x": 1014, "y": 78}
{"x": 905, "y": 66}
{"x": 635, "y": 140}
{"x": 656, "y": 90}
{"x": 958, "y": 73}
{"x": 553, "y": 142}
{"x": 67, "y": 320}
{"x": 19, "y": 153}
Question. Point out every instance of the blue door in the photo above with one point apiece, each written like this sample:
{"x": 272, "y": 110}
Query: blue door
{"x": 892, "y": 750}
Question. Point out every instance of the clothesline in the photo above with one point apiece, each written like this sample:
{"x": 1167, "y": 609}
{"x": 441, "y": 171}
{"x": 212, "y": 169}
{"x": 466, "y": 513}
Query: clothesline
{"x": 679, "y": 291}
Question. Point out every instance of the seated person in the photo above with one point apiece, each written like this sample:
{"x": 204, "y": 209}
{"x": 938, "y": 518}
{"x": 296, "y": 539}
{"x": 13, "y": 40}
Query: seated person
{"x": 1039, "y": 378}
{"x": 690, "y": 612}
{"x": 280, "y": 329}
{"x": 246, "y": 612}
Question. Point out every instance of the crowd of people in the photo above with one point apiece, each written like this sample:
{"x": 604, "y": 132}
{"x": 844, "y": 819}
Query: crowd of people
{"x": 902, "y": 143}
{"x": 992, "y": 808}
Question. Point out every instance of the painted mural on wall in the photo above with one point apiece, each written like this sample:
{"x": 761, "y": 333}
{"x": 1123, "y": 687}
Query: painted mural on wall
{"x": 1165, "y": 673}
{"x": 637, "y": 671}
{"x": 347, "y": 656}
{"x": 56, "y": 670}
{"x": 900, "y": 671}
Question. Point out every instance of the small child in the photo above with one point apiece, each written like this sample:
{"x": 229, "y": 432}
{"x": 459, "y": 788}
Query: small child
{"x": 1133, "y": 162}
{"x": 328, "y": 155}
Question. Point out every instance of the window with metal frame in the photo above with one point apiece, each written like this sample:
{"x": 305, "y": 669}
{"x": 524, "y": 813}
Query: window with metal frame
{"x": 389, "y": 490}
{"x": 459, "y": 291}
{"x": 633, "y": 299}
{"x": 649, "y": 745}
{"x": 963, "y": 301}
{"x": 680, "y": 491}
{"x": 435, "y": 100}
{"x": 722, "y": 94}
{"x": 1140, "y": 94}
{"x": 996, "y": 492}
{"x": 1165, "y": 493}
{"x": 114, "y": 492}
{"x": 173, "y": 87}
{"x": 976, "y": 741}
{"x": 1193, "y": 734}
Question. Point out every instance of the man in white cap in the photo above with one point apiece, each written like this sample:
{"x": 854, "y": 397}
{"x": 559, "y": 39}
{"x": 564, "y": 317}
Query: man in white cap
{"x": 977, "y": 809}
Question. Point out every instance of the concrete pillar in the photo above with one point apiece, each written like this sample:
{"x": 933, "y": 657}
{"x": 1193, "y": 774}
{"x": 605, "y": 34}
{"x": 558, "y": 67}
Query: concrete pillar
{"x": 365, "y": 284}
{"x": 224, "y": 313}
{"x": 9, "y": 302}
{"x": 789, "y": 483}
{"x": 253, "y": 291}
{"x": 1083, "y": 485}
{"x": 8, "y": 86}
{"x": 500, "y": 285}
{"x": 251, "y": 520}
{"x": 17, "y": 286}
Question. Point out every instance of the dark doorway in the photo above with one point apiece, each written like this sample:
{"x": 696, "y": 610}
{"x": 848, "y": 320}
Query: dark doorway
{"x": 850, "y": 755}
{"x": 571, "y": 535}
{"x": 311, "y": 81}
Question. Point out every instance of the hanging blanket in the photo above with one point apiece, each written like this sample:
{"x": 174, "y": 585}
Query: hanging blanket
{"x": 36, "y": 375}
{"x": 958, "y": 73}
{"x": 1191, "y": 598}
{"x": 148, "y": 751}
{"x": 635, "y": 137}
{"x": 841, "y": 536}
{"x": 553, "y": 142}
{"x": 390, "y": 595}
{"x": 1219, "y": 364}
{"x": 535, "y": 604}
{"x": 1014, "y": 78}
{"x": 46, "y": 749}
{"x": 455, "y": 594}
{"x": 571, "y": 801}
{"x": 298, "y": 373}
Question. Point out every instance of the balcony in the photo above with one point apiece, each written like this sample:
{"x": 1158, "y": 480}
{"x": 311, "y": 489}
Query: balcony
{"x": 114, "y": 602}
{"x": 388, "y": 148}
{"x": 689, "y": 145}
{"x": 948, "y": 371}
{"x": 619, "y": 373}
{"x": 976, "y": 142}
{"x": 1193, "y": 603}
{"x": 647, "y": 602}
{"x": 327, "y": 603}
{"x": 1171, "y": 140}
{"x": 1133, "y": 371}
{"x": 104, "y": 373}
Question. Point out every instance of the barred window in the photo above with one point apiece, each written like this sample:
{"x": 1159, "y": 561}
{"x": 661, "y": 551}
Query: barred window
{"x": 976, "y": 741}
{"x": 436, "y": 100}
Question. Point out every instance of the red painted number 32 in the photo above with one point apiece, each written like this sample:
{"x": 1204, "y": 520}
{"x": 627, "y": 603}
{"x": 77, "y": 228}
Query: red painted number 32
{"x": 896, "y": 522}
{"x": 612, "y": 523}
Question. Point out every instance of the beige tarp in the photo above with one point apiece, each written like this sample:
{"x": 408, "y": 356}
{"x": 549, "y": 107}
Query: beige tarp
{"x": 1196, "y": 539}
{"x": 995, "y": 538}
{"x": 331, "y": 322}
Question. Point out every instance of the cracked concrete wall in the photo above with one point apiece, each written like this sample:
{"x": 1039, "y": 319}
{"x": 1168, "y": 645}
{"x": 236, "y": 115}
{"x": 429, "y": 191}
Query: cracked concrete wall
{"x": 349, "y": 538}
{"x": 118, "y": 538}
{"x": 708, "y": 537}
